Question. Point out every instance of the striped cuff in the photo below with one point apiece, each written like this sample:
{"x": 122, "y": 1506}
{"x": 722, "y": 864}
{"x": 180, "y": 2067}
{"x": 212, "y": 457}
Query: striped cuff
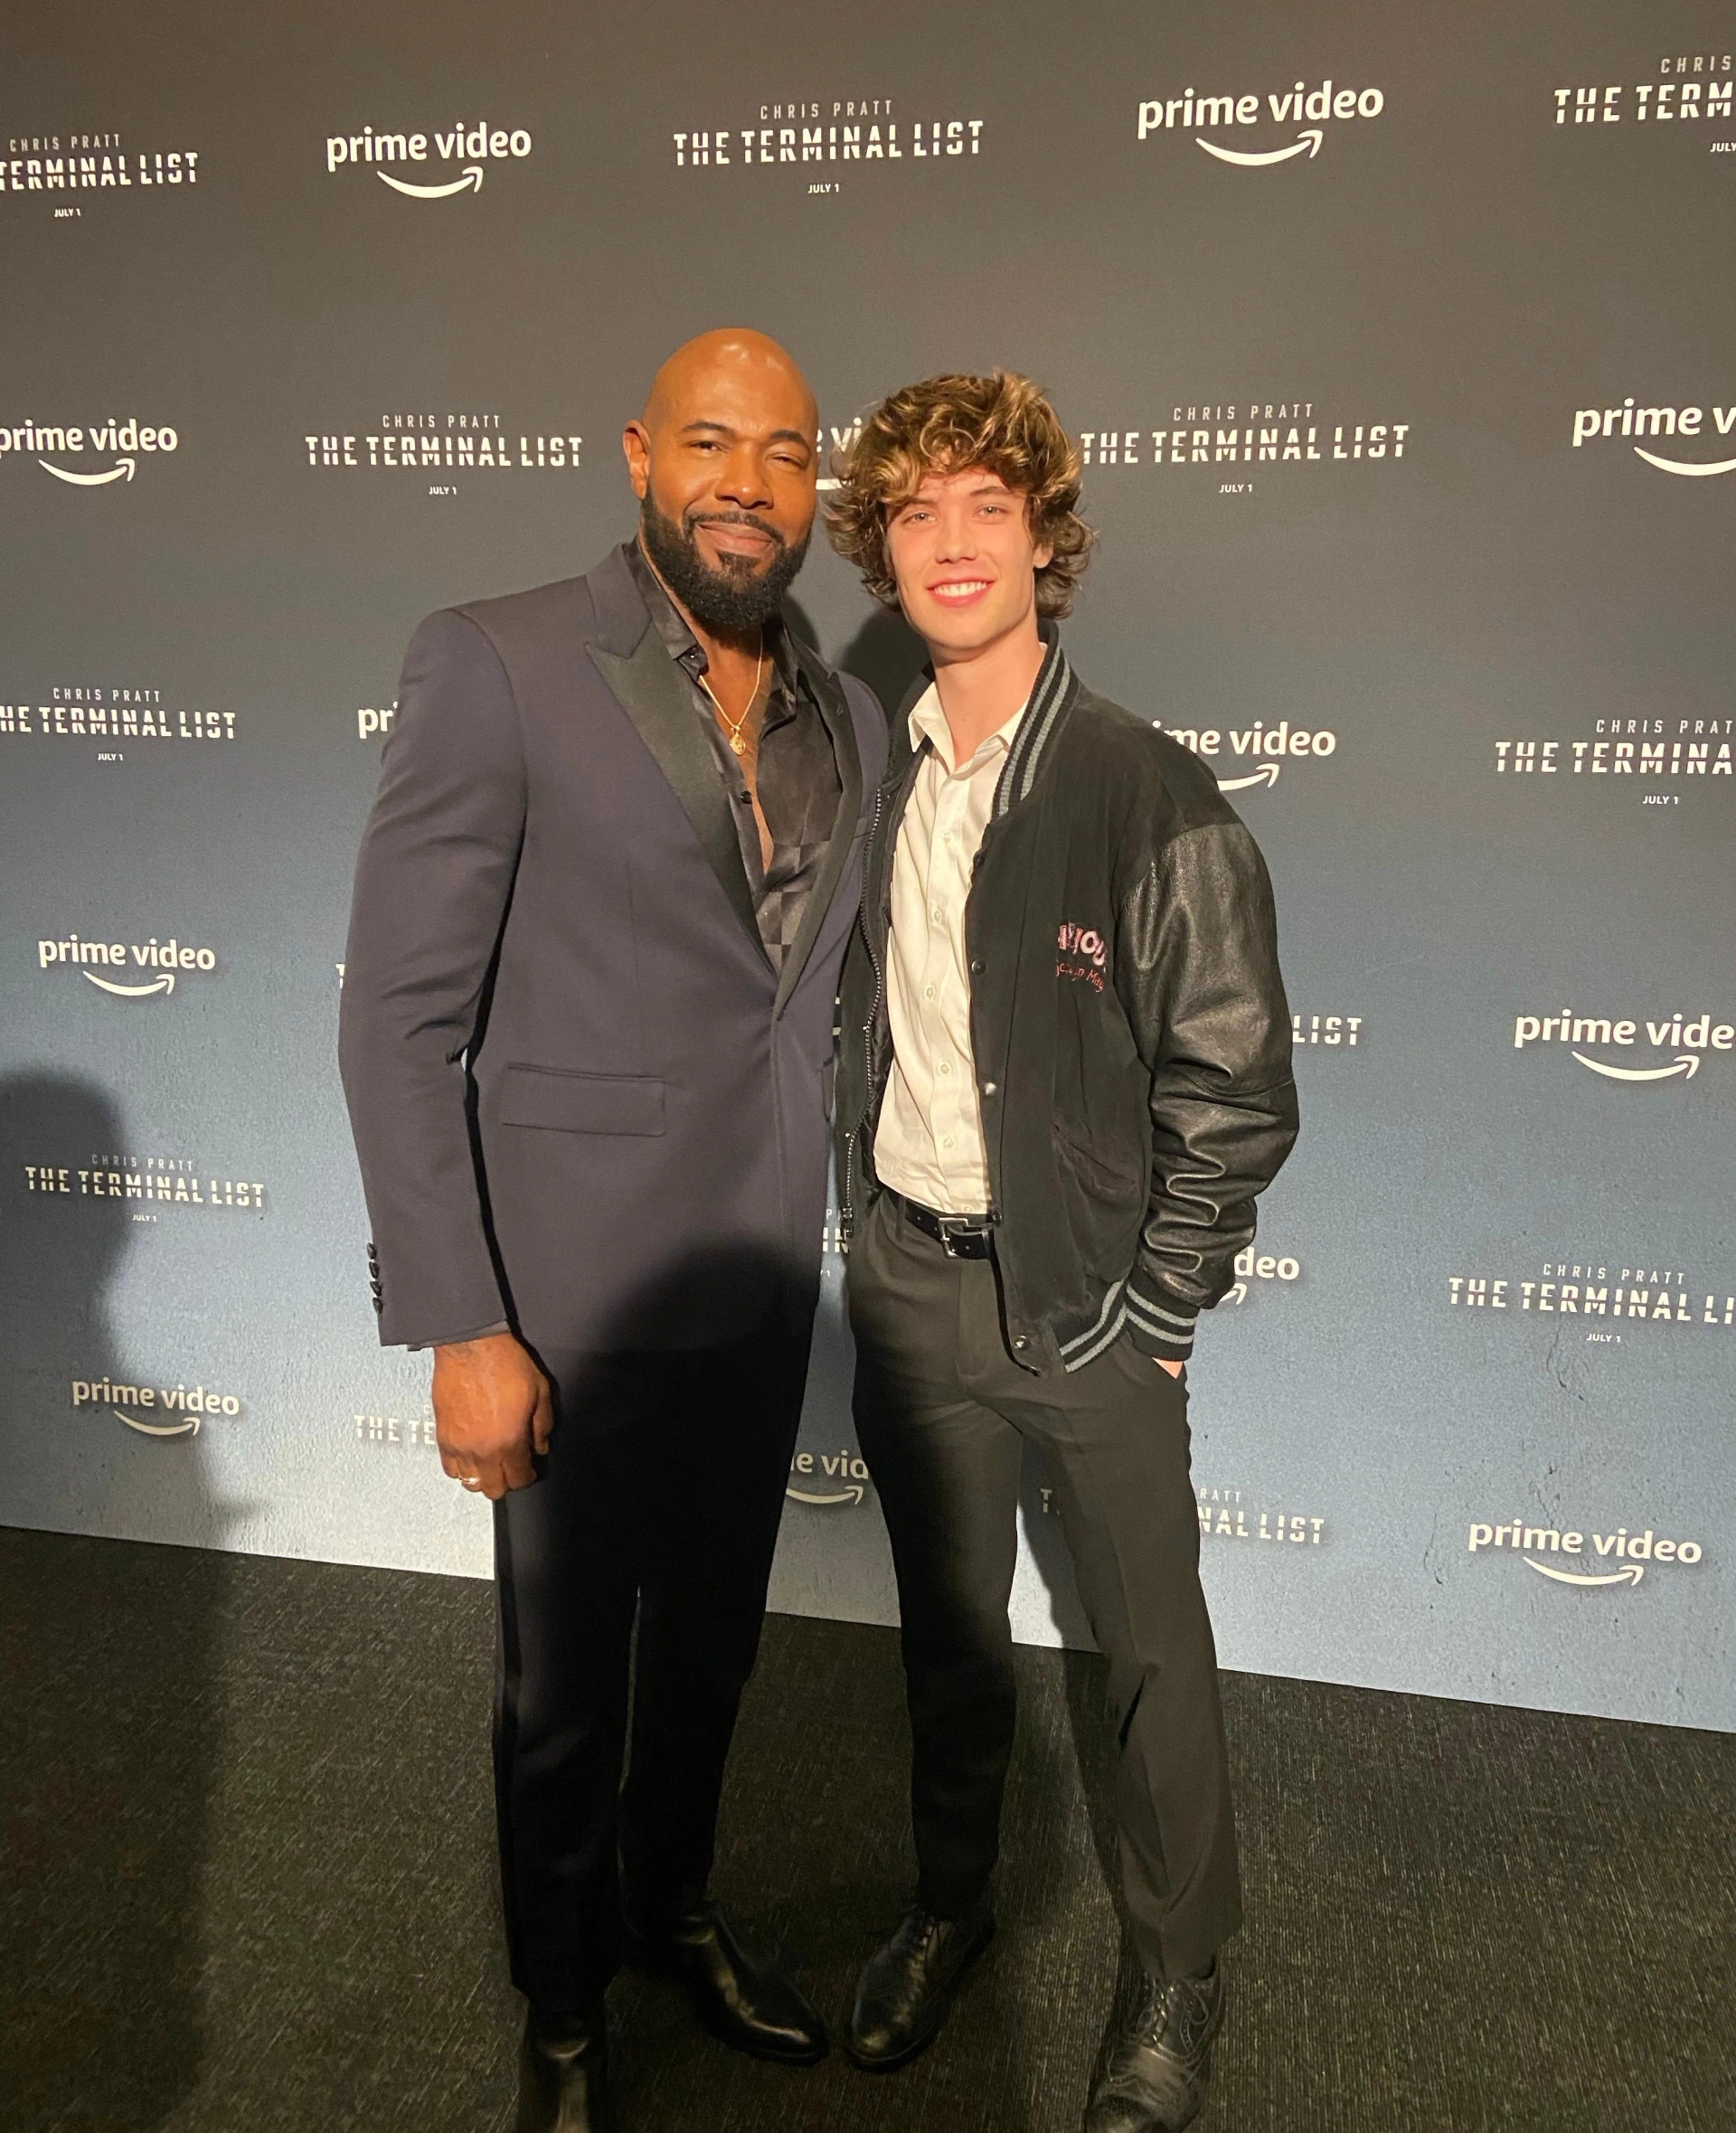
{"x": 1159, "y": 1329}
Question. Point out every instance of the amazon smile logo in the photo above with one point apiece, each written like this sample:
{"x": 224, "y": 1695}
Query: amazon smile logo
{"x": 827, "y": 1478}
{"x": 1560, "y": 1555}
{"x": 474, "y": 146}
{"x": 1631, "y": 421}
{"x": 143, "y": 970}
{"x": 161, "y": 1410}
{"x": 1322, "y": 106}
{"x": 1690, "y": 1039}
{"x": 1232, "y": 756}
{"x": 120, "y": 444}
{"x": 1263, "y": 1266}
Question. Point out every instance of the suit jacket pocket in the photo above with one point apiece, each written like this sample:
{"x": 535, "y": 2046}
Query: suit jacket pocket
{"x": 562, "y": 1101}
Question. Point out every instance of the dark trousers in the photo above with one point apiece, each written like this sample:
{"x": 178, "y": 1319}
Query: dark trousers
{"x": 631, "y": 1576}
{"x": 943, "y": 1413}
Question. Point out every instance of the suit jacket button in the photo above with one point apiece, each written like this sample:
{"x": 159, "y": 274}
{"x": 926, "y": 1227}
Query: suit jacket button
{"x": 1021, "y": 1340}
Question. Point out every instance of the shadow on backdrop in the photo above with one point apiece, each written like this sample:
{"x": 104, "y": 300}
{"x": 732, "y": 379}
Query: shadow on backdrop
{"x": 887, "y": 654}
{"x": 107, "y": 1771}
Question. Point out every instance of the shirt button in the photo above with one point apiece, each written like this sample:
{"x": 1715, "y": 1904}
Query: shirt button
{"x": 948, "y": 1142}
{"x": 927, "y": 992}
{"x": 935, "y": 914}
{"x": 946, "y": 1066}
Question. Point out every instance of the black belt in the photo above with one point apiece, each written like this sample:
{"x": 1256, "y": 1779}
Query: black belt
{"x": 959, "y": 1236}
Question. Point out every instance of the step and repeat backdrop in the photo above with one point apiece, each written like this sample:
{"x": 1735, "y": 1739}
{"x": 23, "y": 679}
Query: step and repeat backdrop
{"x": 1398, "y": 341}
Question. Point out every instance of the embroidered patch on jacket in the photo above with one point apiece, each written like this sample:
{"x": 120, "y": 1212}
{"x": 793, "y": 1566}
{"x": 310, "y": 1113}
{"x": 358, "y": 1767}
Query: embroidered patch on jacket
{"x": 1084, "y": 954}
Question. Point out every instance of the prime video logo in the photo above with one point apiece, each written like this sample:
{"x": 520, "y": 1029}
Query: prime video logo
{"x": 1288, "y": 107}
{"x": 1256, "y": 741}
{"x": 129, "y": 439}
{"x": 168, "y": 958}
{"x": 482, "y": 143}
{"x": 833, "y": 1478}
{"x": 1623, "y": 1555}
{"x": 1698, "y": 1033}
{"x": 183, "y": 1409}
{"x": 1593, "y": 424}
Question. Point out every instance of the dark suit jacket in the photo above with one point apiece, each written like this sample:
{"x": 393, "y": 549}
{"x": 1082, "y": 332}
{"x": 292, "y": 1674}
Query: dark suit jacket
{"x": 583, "y": 1100}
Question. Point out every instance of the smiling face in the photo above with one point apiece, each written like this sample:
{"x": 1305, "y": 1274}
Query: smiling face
{"x": 965, "y": 561}
{"x": 723, "y": 459}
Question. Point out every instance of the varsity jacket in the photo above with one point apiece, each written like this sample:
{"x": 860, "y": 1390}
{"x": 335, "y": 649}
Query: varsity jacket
{"x": 1128, "y": 1025}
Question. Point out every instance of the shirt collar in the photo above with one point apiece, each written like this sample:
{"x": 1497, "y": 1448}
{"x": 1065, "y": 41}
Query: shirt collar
{"x": 927, "y": 722}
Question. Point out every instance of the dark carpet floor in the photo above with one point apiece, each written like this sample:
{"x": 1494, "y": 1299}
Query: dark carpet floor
{"x": 247, "y": 1884}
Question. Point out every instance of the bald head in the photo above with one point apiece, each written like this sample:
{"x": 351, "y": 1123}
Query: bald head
{"x": 723, "y": 461}
{"x": 729, "y": 357}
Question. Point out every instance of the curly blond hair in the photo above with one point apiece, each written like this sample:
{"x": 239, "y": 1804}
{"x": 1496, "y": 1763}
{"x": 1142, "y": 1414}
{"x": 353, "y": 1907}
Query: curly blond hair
{"x": 947, "y": 425}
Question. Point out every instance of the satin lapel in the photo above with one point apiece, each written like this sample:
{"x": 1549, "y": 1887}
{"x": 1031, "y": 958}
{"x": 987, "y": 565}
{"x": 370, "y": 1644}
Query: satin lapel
{"x": 836, "y": 711}
{"x": 649, "y": 688}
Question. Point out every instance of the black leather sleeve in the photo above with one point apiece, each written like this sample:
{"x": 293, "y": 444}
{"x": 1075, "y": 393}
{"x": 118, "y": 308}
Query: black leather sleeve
{"x": 437, "y": 861}
{"x": 1200, "y": 983}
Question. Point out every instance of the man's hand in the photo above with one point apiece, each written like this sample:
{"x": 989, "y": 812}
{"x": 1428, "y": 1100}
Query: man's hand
{"x": 1175, "y": 1370}
{"x": 492, "y": 1410}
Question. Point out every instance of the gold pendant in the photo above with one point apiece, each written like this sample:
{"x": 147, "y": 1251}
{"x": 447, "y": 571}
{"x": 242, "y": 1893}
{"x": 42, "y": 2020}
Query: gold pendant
{"x": 736, "y": 743}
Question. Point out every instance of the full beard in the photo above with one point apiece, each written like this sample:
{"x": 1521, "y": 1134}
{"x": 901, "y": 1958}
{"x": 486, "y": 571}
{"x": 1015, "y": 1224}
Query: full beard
{"x": 741, "y": 596}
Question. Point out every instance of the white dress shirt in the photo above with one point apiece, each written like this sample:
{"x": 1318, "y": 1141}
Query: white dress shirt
{"x": 928, "y": 1144}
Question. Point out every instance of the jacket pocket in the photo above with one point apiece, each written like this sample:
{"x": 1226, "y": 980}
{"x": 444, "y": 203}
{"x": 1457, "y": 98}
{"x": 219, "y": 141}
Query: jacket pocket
{"x": 1105, "y": 1171}
{"x": 560, "y": 1101}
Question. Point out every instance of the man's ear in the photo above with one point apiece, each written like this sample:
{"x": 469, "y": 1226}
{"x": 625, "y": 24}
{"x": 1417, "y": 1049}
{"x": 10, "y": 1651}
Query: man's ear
{"x": 636, "y": 442}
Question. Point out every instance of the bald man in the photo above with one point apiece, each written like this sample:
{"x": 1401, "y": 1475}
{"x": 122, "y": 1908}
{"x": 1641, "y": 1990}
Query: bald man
{"x": 585, "y": 1040}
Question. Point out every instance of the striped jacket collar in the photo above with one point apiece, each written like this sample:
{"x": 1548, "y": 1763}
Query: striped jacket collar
{"x": 1052, "y": 696}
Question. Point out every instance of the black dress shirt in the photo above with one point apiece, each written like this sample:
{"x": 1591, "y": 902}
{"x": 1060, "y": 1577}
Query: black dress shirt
{"x": 798, "y": 778}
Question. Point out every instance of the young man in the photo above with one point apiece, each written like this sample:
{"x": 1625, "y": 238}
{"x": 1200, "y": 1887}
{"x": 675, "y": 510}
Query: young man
{"x": 1064, "y": 1075}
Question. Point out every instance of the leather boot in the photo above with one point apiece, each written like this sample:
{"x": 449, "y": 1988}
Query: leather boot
{"x": 904, "y": 1992}
{"x": 743, "y": 2001}
{"x": 1156, "y": 2078}
{"x": 563, "y": 2074}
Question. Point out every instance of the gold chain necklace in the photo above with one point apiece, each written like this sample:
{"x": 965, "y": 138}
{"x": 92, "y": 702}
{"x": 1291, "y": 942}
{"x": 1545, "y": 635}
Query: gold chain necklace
{"x": 734, "y": 726}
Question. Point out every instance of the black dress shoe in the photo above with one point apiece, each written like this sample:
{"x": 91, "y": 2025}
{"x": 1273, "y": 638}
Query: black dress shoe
{"x": 563, "y": 2076}
{"x": 904, "y": 1992}
{"x": 743, "y": 2002}
{"x": 1156, "y": 2078}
